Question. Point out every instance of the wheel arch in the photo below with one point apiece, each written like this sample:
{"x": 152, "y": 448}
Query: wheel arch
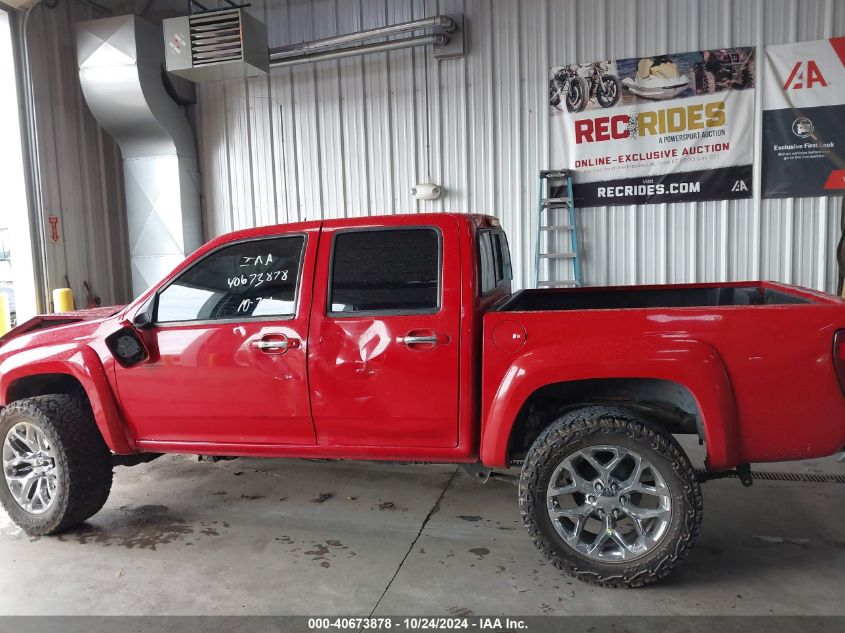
{"x": 665, "y": 402}
{"x": 685, "y": 387}
{"x": 43, "y": 384}
{"x": 75, "y": 371}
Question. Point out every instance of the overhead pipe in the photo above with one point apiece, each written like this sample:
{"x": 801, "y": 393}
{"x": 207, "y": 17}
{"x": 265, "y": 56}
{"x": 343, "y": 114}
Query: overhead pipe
{"x": 406, "y": 42}
{"x": 443, "y": 22}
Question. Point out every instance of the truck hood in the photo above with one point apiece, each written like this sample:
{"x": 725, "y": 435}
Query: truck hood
{"x": 45, "y": 321}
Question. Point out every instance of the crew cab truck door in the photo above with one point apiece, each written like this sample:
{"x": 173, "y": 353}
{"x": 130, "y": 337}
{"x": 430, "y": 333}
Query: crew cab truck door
{"x": 384, "y": 341}
{"x": 228, "y": 341}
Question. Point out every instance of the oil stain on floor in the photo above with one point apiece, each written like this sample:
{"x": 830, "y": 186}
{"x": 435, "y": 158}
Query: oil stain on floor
{"x": 145, "y": 527}
{"x": 481, "y": 552}
{"x": 322, "y": 552}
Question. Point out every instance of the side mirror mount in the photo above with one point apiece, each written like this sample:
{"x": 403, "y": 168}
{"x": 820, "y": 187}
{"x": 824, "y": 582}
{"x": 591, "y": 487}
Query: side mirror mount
{"x": 143, "y": 319}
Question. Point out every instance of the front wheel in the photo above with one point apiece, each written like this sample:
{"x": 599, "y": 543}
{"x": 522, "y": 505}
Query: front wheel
{"x": 609, "y": 91}
{"x": 609, "y": 498}
{"x": 57, "y": 469}
{"x": 555, "y": 94}
{"x": 577, "y": 95}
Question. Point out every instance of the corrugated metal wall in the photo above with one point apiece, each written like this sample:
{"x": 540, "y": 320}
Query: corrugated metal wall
{"x": 81, "y": 169}
{"x": 350, "y": 137}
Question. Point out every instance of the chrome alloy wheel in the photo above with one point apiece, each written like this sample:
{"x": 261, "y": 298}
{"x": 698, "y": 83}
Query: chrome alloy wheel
{"x": 30, "y": 468}
{"x": 609, "y": 503}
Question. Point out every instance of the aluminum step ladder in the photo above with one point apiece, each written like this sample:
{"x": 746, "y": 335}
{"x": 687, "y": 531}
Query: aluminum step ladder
{"x": 557, "y": 237}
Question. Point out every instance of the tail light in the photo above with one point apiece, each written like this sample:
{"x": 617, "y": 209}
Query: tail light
{"x": 839, "y": 357}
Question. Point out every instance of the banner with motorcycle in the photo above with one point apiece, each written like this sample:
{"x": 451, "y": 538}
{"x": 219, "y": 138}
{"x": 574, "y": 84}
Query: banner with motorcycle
{"x": 666, "y": 128}
{"x": 804, "y": 119}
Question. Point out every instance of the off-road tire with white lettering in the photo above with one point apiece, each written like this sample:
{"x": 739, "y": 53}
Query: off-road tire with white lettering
{"x": 600, "y": 425}
{"x": 84, "y": 460}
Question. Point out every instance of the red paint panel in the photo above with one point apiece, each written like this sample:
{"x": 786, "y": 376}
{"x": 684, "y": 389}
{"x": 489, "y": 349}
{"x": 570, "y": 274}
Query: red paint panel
{"x": 368, "y": 388}
{"x": 210, "y": 382}
{"x": 763, "y": 375}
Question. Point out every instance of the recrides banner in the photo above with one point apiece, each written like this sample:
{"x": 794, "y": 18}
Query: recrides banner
{"x": 667, "y": 128}
{"x": 804, "y": 119}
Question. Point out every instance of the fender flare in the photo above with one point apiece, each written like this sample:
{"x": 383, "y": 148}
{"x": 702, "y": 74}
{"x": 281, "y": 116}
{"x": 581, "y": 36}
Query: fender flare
{"x": 691, "y": 363}
{"x": 83, "y": 363}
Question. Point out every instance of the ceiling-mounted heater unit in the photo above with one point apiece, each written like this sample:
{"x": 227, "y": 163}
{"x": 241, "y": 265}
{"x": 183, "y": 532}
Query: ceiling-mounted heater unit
{"x": 216, "y": 45}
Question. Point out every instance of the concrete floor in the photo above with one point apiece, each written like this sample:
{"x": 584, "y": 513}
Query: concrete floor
{"x": 312, "y": 538}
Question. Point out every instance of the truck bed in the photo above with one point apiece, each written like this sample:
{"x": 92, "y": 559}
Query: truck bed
{"x": 729, "y": 294}
{"x": 761, "y": 352}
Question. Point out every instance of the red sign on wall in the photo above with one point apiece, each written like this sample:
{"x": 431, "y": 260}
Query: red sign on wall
{"x": 54, "y": 227}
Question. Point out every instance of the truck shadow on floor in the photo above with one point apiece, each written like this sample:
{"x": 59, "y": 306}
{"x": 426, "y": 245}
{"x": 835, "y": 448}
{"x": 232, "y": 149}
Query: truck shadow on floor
{"x": 802, "y": 540}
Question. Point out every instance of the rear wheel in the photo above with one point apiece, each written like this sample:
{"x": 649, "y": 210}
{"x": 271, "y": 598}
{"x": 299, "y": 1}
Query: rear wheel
{"x": 57, "y": 469}
{"x": 610, "y": 498}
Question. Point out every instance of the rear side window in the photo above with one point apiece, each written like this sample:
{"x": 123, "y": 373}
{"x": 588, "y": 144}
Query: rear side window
{"x": 256, "y": 278}
{"x": 494, "y": 259}
{"x": 487, "y": 262}
{"x": 388, "y": 271}
{"x": 502, "y": 255}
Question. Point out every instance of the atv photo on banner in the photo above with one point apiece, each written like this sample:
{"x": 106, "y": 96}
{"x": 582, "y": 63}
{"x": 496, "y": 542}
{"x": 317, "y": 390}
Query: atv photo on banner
{"x": 664, "y": 128}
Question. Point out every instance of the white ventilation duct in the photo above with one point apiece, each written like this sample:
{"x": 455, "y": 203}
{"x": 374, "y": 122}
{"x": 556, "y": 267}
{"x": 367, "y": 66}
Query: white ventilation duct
{"x": 120, "y": 69}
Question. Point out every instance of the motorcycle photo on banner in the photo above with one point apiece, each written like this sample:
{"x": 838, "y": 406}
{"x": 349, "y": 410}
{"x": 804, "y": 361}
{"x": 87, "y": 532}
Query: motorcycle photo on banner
{"x": 803, "y": 114}
{"x": 664, "y": 128}
{"x": 570, "y": 89}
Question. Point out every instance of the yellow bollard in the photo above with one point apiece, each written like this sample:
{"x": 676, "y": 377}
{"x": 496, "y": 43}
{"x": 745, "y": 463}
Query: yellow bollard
{"x": 62, "y": 300}
{"x": 5, "y": 314}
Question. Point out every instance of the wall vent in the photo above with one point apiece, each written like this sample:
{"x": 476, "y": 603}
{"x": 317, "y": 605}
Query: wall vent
{"x": 216, "y": 45}
{"x": 216, "y": 38}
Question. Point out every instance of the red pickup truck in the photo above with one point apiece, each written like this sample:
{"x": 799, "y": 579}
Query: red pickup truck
{"x": 398, "y": 338}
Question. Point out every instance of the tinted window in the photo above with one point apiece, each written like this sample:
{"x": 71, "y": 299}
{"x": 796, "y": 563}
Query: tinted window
{"x": 250, "y": 279}
{"x": 502, "y": 256}
{"x": 385, "y": 271}
{"x": 486, "y": 262}
{"x": 494, "y": 259}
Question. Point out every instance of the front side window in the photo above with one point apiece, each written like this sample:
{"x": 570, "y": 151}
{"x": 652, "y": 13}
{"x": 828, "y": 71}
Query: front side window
{"x": 254, "y": 278}
{"x": 388, "y": 271}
